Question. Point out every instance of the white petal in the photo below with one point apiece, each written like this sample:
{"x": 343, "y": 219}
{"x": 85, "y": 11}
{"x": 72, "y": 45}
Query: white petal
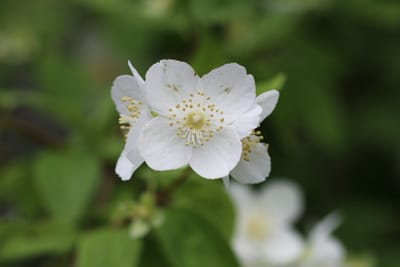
{"x": 131, "y": 147}
{"x": 168, "y": 82}
{"x": 248, "y": 121}
{"x": 282, "y": 247}
{"x": 283, "y": 201}
{"x": 136, "y": 74}
{"x": 231, "y": 89}
{"x": 256, "y": 170}
{"x": 324, "y": 249}
{"x": 249, "y": 253}
{"x": 124, "y": 167}
{"x": 267, "y": 101}
{"x": 329, "y": 253}
{"x": 161, "y": 148}
{"x": 324, "y": 228}
{"x": 126, "y": 85}
{"x": 243, "y": 198}
{"x": 218, "y": 156}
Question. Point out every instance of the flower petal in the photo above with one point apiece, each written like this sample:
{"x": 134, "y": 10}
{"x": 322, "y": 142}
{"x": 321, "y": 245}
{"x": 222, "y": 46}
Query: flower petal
{"x": 161, "y": 148}
{"x": 242, "y": 197}
{"x": 248, "y": 252}
{"x": 248, "y": 121}
{"x": 231, "y": 89}
{"x": 131, "y": 147}
{"x": 324, "y": 248}
{"x": 136, "y": 74}
{"x": 257, "y": 169}
{"x": 267, "y": 101}
{"x": 218, "y": 156}
{"x": 283, "y": 201}
{"x": 168, "y": 82}
{"x": 329, "y": 253}
{"x": 245, "y": 201}
{"x": 126, "y": 86}
{"x": 324, "y": 228}
{"x": 124, "y": 167}
{"x": 282, "y": 247}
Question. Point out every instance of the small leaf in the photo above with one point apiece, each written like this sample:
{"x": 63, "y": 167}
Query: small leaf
{"x": 209, "y": 200}
{"x": 152, "y": 255}
{"x": 190, "y": 241}
{"x": 66, "y": 183}
{"x": 108, "y": 247}
{"x": 276, "y": 82}
{"x": 209, "y": 54}
{"x": 31, "y": 245}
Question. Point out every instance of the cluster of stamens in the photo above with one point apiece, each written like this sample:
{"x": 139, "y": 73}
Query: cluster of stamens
{"x": 134, "y": 107}
{"x": 249, "y": 142}
{"x": 196, "y": 119}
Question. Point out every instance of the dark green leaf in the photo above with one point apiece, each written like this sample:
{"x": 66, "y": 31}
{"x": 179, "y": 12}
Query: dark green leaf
{"x": 108, "y": 247}
{"x": 210, "y": 200}
{"x": 152, "y": 255}
{"x": 190, "y": 241}
{"x": 277, "y": 82}
{"x": 23, "y": 246}
{"x": 66, "y": 183}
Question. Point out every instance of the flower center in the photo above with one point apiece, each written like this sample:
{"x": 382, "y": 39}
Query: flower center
{"x": 257, "y": 227}
{"x": 196, "y": 119}
{"x": 249, "y": 142}
{"x": 128, "y": 121}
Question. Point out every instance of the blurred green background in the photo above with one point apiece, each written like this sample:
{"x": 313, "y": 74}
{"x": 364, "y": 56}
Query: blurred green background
{"x": 335, "y": 131}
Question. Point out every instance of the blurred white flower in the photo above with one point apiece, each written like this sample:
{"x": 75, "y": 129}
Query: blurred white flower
{"x": 130, "y": 100}
{"x": 264, "y": 235}
{"x": 255, "y": 163}
{"x": 322, "y": 249}
{"x": 201, "y": 120}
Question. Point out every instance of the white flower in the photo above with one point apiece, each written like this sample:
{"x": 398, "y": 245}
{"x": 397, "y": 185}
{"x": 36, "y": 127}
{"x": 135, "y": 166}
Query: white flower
{"x": 264, "y": 234}
{"x": 255, "y": 163}
{"x": 322, "y": 249}
{"x": 130, "y": 100}
{"x": 201, "y": 120}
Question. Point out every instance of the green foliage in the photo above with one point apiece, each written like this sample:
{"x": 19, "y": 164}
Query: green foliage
{"x": 108, "y": 247}
{"x": 152, "y": 253}
{"x": 211, "y": 11}
{"x": 209, "y": 200}
{"x": 277, "y": 82}
{"x": 28, "y": 245}
{"x": 190, "y": 241}
{"x": 66, "y": 183}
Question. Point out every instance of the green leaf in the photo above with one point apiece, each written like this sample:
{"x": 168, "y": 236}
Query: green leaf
{"x": 152, "y": 254}
{"x": 65, "y": 85}
{"x": 208, "y": 12}
{"x": 161, "y": 179}
{"x": 209, "y": 55}
{"x": 277, "y": 82}
{"x": 109, "y": 247}
{"x": 208, "y": 199}
{"x": 66, "y": 183}
{"x": 12, "y": 98}
{"x": 36, "y": 244}
{"x": 190, "y": 241}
